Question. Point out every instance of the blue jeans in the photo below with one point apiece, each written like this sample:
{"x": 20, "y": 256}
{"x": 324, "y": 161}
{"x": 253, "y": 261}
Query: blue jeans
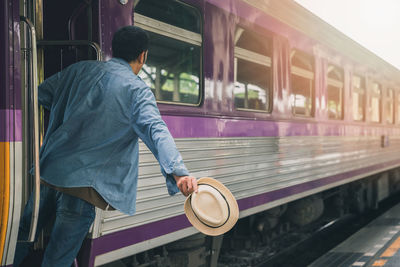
{"x": 73, "y": 218}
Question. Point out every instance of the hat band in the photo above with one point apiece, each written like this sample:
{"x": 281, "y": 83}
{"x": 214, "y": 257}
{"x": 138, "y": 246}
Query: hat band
{"x": 229, "y": 209}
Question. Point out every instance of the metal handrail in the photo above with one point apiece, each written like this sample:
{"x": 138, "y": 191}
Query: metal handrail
{"x": 94, "y": 45}
{"x": 35, "y": 130}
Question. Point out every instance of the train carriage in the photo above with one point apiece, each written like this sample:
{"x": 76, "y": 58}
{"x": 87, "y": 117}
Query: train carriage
{"x": 261, "y": 95}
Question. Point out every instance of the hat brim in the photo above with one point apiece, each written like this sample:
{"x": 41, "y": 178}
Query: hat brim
{"x": 233, "y": 210}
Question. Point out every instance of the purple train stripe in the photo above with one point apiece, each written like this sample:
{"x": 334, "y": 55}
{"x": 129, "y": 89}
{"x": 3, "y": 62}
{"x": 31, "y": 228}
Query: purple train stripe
{"x": 141, "y": 233}
{"x": 202, "y": 127}
{"x": 12, "y": 120}
{"x": 197, "y": 127}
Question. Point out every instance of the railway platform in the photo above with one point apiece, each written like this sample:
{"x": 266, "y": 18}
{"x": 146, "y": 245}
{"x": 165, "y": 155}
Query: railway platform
{"x": 377, "y": 244}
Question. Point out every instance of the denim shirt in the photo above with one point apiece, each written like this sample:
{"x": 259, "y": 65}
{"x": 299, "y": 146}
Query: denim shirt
{"x": 98, "y": 110}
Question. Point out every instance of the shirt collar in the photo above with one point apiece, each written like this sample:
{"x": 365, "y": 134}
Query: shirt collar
{"x": 122, "y": 62}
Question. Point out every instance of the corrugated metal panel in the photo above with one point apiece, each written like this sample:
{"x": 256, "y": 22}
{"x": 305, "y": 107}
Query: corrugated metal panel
{"x": 248, "y": 167}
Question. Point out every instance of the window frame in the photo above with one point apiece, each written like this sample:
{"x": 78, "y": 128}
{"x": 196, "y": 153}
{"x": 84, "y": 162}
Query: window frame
{"x": 397, "y": 106}
{"x": 180, "y": 34}
{"x": 338, "y": 84}
{"x": 165, "y": 29}
{"x": 360, "y": 91}
{"x": 388, "y": 100}
{"x": 256, "y": 58}
{"x": 303, "y": 73}
{"x": 371, "y": 95}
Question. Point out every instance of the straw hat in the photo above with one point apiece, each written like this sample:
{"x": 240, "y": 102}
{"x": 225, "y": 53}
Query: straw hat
{"x": 213, "y": 210}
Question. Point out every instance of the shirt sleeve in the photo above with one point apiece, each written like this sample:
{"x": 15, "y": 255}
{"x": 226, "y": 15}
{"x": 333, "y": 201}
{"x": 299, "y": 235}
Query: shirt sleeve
{"x": 47, "y": 90}
{"x": 149, "y": 126}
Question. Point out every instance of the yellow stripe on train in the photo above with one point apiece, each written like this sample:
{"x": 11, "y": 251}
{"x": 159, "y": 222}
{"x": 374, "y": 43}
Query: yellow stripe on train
{"x": 4, "y": 192}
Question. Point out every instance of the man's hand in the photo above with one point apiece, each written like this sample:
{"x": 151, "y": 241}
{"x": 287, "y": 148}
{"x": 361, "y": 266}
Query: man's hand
{"x": 187, "y": 184}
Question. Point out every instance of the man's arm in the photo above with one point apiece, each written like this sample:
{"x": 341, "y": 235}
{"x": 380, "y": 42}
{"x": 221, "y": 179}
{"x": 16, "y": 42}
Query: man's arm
{"x": 150, "y": 127}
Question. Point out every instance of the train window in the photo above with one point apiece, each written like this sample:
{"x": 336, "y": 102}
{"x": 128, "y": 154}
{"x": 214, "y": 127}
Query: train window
{"x": 252, "y": 71}
{"x": 389, "y": 106}
{"x": 173, "y": 67}
{"x": 358, "y": 98}
{"x": 171, "y": 12}
{"x": 335, "y": 93}
{"x": 302, "y": 83}
{"x": 398, "y": 107}
{"x": 375, "y": 102}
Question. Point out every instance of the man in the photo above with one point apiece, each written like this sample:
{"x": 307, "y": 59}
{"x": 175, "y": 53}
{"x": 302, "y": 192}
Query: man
{"x": 89, "y": 157}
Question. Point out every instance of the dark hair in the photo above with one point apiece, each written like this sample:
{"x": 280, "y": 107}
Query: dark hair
{"x": 128, "y": 42}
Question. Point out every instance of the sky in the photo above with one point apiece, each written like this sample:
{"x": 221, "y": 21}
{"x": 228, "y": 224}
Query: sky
{"x": 375, "y": 24}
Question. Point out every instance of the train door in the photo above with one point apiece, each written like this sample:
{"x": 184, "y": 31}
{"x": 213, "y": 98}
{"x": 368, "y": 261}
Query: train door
{"x": 51, "y": 35}
{"x": 10, "y": 131}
